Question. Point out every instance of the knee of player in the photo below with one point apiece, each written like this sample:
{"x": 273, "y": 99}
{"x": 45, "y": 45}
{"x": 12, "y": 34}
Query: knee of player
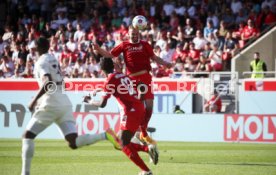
{"x": 125, "y": 141}
{"x": 28, "y": 135}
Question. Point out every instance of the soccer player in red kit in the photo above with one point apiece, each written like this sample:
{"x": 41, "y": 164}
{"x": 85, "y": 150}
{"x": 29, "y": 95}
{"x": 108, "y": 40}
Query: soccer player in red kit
{"x": 121, "y": 87}
{"x": 137, "y": 55}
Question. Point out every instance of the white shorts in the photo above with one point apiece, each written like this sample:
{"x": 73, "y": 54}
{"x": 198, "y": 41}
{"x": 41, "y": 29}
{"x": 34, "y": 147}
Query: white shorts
{"x": 43, "y": 117}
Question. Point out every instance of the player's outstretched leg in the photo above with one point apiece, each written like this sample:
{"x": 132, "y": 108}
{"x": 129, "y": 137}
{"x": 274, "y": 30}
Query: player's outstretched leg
{"x": 112, "y": 137}
{"x": 131, "y": 152}
{"x": 74, "y": 140}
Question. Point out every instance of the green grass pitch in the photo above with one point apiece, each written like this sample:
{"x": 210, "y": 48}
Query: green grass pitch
{"x": 53, "y": 157}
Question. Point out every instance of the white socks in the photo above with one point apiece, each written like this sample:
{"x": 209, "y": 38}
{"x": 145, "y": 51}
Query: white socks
{"x": 88, "y": 139}
{"x": 27, "y": 155}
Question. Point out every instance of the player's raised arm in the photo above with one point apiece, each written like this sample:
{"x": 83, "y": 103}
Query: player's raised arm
{"x": 161, "y": 61}
{"x": 101, "y": 103}
{"x": 101, "y": 51}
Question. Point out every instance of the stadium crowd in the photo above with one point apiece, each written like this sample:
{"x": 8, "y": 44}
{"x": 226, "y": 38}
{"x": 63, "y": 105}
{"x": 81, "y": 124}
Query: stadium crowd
{"x": 195, "y": 35}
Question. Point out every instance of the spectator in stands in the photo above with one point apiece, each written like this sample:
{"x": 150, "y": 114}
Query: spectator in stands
{"x": 7, "y": 66}
{"x": 189, "y": 65}
{"x": 214, "y": 104}
{"x": 189, "y": 30}
{"x": 179, "y": 53}
{"x": 75, "y": 73}
{"x": 212, "y": 17}
{"x": 20, "y": 65}
{"x": 7, "y": 37}
{"x": 241, "y": 17}
{"x": 171, "y": 40}
{"x": 178, "y": 66}
{"x": 2, "y": 76}
{"x": 162, "y": 41}
{"x": 266, "y": 17}
{"x": 166, "y": 55}
{"x": 215, "y": 58}
{"x": 207, "y": 49}
{"x": 236, "y": 6}
{"x": 23, "y": 51}
{"x": 32, "y": 52}
{"x": 86, "y": 74}
{"x": 15, "y": 52}
{"x": 154, "y": 31}
{"x": 193, "y": 53}
{"x": 249, "y": 31}
{"x": 230, "y": 47}
{"x": 80, "y": 66}
{"x": 228, "y": 18}
{"x": 2, "y": 45}
{"x": 16, "y": 74}
{"x": 209, "y": 28}
{"x": 65, "y": 67}
{"x": 222, "y": 29}
{"x": 203, "y": 66}
{"x": 257, "y": 66}
{"x": 109, "y": 42}
{"x": 28, "y": 73}
{"x": 199, "y": 40}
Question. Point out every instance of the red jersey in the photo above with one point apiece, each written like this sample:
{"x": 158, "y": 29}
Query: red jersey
{"x": 136, "y": 55}
{"x": 121, "y": 87}
{"x": 249, "y": 32}
{"x": 216, "y": 101}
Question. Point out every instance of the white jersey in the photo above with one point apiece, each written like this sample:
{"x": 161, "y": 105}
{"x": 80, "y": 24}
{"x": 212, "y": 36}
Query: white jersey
{"x": 48, "y": 64}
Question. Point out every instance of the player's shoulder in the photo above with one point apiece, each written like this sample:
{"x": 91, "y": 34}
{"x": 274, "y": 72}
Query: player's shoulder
{"x": 115, "y": 75}
{"x": 144, "y": 42}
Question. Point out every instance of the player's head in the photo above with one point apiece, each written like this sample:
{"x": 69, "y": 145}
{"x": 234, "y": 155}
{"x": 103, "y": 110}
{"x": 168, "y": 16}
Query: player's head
{"x": 133, "y": 34}
{"x": 107, "y": 65}
{"x": 42, "y": 45}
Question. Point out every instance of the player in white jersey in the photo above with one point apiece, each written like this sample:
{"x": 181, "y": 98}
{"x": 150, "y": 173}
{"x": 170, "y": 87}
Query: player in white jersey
{"x": 54, "y": 107}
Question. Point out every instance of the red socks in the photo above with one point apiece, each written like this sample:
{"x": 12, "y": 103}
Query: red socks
{"x": 146, "y": 122}
{"x": 138, "y": 147}
{"x": 133, "y": 155}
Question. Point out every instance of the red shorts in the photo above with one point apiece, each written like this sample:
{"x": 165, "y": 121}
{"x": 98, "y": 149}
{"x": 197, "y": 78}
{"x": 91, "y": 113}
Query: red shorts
{"x": 147, "y": 80}
{"x": 133, "y": 118}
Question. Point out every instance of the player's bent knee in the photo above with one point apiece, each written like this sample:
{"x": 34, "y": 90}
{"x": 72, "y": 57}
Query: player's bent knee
{"x": 28, "y": 135}
{"x": 126, "y": 137}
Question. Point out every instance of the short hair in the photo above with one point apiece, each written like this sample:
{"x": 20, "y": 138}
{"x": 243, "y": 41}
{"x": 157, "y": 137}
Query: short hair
{"x": 43, "y": 44}
{"x": 107, "y": 65}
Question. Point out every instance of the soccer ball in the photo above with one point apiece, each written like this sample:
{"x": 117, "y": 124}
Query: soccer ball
{"x": 139, "y": 22}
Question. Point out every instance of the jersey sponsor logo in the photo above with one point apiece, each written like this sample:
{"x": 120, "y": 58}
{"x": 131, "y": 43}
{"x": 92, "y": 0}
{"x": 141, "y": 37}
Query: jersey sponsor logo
{"x": 134, "y": 49}
{"x": 250, "y": 128}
